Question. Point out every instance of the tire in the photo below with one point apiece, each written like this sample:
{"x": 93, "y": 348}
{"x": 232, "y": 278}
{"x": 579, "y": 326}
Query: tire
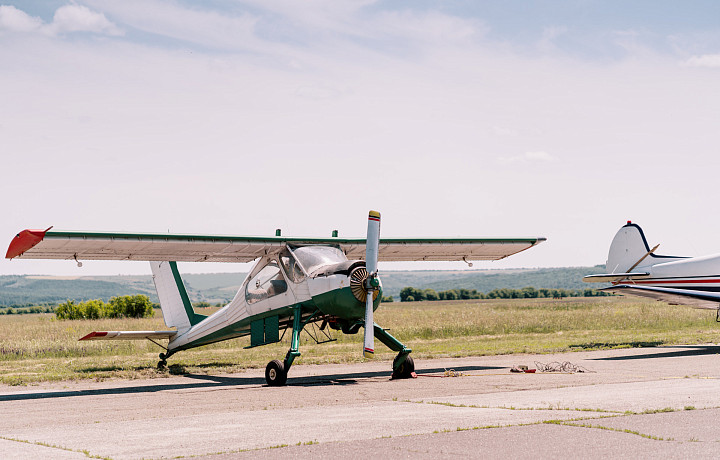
{"x": 405, "y": 370}
{"x": 275, "y": 373}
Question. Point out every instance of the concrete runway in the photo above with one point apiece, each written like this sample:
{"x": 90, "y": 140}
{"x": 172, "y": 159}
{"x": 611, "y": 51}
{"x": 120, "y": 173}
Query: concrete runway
{"x": 634, "y": 403}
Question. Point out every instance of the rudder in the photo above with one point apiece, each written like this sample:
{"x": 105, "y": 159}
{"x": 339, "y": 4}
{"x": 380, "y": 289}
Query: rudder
{"x": 174, "y": 301}
{"x": 628, "y": 248}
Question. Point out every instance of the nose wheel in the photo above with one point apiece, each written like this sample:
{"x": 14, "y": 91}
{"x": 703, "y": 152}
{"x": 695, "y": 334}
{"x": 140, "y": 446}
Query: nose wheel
{"x": 275, "y": 373}
{"x": 406, "y": 370}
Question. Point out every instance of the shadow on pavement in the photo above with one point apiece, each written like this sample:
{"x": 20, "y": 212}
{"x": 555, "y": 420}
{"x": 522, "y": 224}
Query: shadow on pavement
{"x": 211, "y": 381}
{"x": 593, "y": 346}
{"x": 132, "y": 390}
{"x": 350, "y": 378}
{"x": 688, "y": 350}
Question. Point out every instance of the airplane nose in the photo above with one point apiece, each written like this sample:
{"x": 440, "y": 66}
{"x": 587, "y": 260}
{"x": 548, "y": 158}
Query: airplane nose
{"x": 357, "y": 284}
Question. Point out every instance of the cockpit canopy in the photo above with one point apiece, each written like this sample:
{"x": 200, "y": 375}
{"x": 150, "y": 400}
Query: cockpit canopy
{"x": 314, "y": 257}
{"x": 268, "y": 280}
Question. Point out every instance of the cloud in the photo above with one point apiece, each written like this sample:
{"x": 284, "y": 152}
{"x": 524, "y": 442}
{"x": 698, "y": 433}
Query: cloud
{"x": 205, "y": 27}
{"x": 529, "y": 157}
{"x": 705, "y": 60}
{"x": 67, "y": 19}
{"x": 162, "y": 108}
{"x": 428, "y": 26}
{"x": 15, "y": 20}
{"x": 78, "y": 18}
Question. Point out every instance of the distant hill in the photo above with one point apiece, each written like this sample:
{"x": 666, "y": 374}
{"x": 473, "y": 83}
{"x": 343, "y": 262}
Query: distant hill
{"x": 221, "y": 287}
{"x": 36, "y": 290}
{"x": 487, "y": 280}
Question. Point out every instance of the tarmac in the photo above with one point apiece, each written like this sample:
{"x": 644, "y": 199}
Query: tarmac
{"x": 626, "y": 403}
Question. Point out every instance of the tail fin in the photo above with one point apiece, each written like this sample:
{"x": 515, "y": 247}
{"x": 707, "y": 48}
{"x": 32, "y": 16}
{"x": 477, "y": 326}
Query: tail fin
{"x": 629, "y": 249}
{"x": 174, "y": 301}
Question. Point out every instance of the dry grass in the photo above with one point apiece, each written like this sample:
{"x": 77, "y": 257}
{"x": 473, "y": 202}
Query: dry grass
{"x": 39, "y": 348}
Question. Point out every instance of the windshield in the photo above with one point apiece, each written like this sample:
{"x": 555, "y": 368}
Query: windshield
{"x": 313, "y": 257}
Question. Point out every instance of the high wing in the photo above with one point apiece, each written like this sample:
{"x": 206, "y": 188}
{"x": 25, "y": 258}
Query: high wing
{"x": 697, "y": 299}
{"x": 47, "y": 244}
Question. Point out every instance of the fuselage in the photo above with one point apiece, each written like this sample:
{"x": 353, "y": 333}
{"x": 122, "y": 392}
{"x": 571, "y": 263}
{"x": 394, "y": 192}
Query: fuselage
{"x": 695, "y": 273}
{"x": 319, "y": 280}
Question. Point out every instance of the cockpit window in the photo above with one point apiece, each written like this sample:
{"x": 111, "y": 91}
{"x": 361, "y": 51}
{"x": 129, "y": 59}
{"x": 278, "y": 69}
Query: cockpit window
{"x": 292, "y": 268}
{"x": 314, "y": 257}
{"x": 267, "y": 283}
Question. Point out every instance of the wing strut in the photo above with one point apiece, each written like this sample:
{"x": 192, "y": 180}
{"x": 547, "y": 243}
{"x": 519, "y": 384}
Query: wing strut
{"x": 619, "y": 280}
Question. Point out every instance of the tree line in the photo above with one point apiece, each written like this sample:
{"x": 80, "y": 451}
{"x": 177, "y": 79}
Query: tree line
{"x": 129, "y": 306}
{"x": 26, "y": 310}
{"x": 411, "y": 294}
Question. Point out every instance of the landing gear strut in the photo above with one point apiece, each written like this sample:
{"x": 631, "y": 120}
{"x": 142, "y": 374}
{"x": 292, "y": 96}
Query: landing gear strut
{"x": 276, "y": 371}
{"x": 403, "y": 364}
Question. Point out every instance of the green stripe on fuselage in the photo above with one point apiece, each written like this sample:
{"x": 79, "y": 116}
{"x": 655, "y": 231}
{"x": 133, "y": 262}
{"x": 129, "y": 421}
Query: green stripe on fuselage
{"x": 338, "y": 302}
{"x": 343, "y": 304}
{"x": 192, "y": 316}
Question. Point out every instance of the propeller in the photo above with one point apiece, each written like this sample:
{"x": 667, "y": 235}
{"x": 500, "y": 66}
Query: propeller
{"x": 372, "y": 282}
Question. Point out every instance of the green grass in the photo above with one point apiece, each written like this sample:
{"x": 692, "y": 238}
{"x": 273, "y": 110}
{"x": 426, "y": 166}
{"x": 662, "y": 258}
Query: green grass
{"x": 39, "y": 348}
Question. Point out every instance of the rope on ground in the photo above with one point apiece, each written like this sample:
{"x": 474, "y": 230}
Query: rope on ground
{"x": 565, "y": 367}
{"x": 447, "y": 373}
{"x": 452, "y": 373}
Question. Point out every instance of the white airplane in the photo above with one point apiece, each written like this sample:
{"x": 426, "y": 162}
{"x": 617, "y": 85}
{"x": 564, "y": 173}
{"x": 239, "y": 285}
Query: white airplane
{"x": 295, "y": 282}
{"x": 635, "y": 269}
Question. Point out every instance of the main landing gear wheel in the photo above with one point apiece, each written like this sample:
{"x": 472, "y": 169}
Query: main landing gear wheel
{"x": 275, "y": 373}
{"x": 162, "y": 364}
{"x": 406, "y": 369}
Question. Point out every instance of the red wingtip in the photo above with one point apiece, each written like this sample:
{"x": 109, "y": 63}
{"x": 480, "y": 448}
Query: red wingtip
{"x": 92, "y": 335}
{"x": 23, "y": 241}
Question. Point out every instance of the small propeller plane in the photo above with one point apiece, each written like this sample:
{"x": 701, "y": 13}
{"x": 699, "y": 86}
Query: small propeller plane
{"x": 295, "y": 282}
{"x": 635, "y": 269}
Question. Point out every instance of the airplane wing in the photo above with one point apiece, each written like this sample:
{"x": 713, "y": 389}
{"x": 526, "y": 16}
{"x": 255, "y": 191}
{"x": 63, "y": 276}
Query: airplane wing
{"x": 444, "y": 249}
{"x": 69, "y": 245}
{"x": 696, "y": 299}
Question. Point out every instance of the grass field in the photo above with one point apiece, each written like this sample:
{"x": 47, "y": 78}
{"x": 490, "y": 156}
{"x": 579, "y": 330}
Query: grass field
{"x": 36, "y": 348}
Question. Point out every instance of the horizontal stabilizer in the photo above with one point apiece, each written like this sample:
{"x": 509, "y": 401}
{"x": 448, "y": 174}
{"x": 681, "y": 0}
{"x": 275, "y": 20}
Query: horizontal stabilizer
{"x": 129, "y": 335}
{"x": 610, "y": 277}
{"x": 697, "y": 299}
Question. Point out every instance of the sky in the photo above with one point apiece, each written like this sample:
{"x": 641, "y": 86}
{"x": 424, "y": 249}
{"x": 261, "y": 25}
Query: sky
{"x": 561, "y": 119}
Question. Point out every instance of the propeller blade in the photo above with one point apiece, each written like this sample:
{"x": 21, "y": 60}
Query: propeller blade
{"x": 369, "y": 344}
{"x": 372, "y": 244}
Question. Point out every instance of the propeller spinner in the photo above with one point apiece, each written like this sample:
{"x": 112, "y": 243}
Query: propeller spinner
{"x": 372, "y": 282}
